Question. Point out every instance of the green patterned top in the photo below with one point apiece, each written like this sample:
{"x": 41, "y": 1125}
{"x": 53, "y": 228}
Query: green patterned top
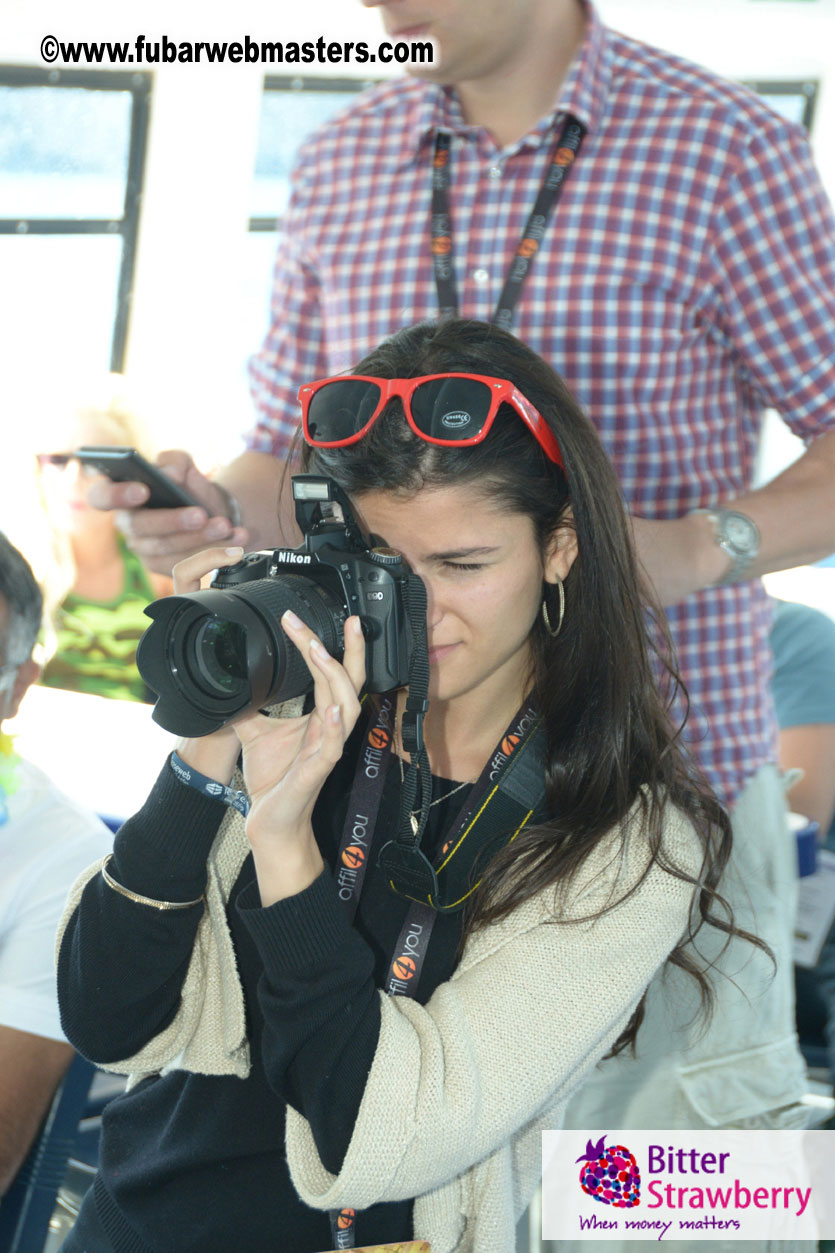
{"x": 97, "y": 639}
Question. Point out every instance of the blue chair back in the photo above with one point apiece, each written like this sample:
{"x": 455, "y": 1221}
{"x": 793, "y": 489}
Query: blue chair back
{"x": 27, "y": 1206}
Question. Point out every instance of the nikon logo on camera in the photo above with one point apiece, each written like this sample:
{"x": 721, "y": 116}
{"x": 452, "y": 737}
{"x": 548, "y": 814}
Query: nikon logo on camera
{"x": 299, "y": 559}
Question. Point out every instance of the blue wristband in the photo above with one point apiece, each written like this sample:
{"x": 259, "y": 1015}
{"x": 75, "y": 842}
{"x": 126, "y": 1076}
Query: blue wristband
{"x": 209, "y": 787}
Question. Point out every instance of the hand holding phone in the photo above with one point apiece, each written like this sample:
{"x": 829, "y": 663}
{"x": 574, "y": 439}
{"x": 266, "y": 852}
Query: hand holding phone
{"x": 162, "y": 535}
{"x": 126, "y": 465}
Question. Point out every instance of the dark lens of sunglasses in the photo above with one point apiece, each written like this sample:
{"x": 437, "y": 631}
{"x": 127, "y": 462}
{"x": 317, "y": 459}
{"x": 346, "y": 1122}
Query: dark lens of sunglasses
{"x": 340, "y": 409}
{"x": 452, "y": 408}
{"x": 58, "y": 459}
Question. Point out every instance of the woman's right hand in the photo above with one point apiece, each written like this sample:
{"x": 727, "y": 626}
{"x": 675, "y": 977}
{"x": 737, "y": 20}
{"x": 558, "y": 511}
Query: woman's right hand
{"x": 214, "y": 755}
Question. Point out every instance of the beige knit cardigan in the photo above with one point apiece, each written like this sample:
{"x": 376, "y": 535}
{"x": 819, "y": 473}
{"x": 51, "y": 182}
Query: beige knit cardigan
{"x": 461, "y": 1088}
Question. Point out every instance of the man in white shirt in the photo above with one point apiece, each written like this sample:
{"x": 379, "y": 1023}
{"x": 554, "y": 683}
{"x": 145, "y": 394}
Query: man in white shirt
{"x": 46, "y": 839}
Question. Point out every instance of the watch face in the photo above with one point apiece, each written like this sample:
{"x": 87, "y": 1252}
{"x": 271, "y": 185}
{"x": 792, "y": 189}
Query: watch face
{"x": 741, "y": 532}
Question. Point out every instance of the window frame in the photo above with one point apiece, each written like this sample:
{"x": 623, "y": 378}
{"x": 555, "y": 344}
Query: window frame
{"x": 809, "y": 88}
{"x": 139, "y": 85}
{"x": 295, "y": 83}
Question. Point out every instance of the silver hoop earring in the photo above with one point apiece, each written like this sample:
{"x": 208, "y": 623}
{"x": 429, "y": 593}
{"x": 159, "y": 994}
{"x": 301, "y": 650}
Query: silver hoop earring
{"x": 554, "y": 631}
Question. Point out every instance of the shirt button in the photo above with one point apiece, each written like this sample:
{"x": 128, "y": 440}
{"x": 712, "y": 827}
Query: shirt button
{"x": 481, "y": 277}
{"x": 495, "y": 172}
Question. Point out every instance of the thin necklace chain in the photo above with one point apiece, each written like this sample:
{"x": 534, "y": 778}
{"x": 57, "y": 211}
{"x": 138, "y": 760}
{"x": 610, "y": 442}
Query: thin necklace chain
{"x": 414, "y": 815}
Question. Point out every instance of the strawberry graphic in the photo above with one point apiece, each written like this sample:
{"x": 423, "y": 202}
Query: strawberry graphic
{"x": 610, "y": 1175}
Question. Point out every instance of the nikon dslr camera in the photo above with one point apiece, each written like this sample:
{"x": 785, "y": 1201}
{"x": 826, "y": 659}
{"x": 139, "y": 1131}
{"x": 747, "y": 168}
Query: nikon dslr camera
{"x": 216, "y": 654}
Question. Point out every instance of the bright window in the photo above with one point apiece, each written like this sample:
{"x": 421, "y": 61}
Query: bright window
{"x": 72, "y": 146}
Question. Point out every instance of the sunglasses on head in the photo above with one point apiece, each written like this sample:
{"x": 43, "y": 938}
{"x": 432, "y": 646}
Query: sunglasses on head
{"x": 452, "y": 410}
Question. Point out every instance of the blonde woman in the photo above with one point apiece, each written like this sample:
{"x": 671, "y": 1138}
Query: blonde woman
{"x": 100, "y": 618}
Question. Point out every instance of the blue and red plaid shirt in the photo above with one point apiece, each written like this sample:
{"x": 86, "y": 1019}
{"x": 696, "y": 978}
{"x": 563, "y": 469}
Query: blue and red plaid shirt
{"x": 685, "y": 283}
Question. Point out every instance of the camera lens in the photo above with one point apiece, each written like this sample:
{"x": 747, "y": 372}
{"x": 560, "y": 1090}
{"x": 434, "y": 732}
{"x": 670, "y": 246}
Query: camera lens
{"x": 219, "y": 652}
{"x": 211, "y": 655}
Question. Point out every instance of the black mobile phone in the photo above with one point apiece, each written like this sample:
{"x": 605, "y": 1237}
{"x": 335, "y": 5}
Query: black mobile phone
{"x": 126, "y": 465}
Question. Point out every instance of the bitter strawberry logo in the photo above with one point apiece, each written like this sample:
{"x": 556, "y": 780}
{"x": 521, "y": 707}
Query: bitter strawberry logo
{"x": 610, "y": 1175}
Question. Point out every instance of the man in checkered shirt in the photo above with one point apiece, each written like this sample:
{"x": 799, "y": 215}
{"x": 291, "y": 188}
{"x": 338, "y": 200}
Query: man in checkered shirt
{"x": 685, "y": 282}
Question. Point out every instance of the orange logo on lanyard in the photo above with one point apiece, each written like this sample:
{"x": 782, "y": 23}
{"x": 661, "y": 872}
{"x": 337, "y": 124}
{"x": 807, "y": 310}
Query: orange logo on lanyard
{"x": 404, "y": 967}
{"x": 378, "y": 737}
{"x": 353, "y": 856}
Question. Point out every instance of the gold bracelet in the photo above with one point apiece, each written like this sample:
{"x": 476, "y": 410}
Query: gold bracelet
{"x": 144, "y": 900}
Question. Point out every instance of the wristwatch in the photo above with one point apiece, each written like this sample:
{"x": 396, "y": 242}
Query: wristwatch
{"x": 233, "y": 509}
{"x": 738, "y": 536}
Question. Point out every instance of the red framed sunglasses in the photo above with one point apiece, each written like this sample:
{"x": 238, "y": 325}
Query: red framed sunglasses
{"x": 452, "y": 410}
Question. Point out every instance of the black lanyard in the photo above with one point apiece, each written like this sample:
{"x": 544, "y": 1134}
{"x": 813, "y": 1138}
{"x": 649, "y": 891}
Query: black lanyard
{"x": 507, "y": 794}
{"x": 363, "y": 806}
{"x": 559, "y": 167}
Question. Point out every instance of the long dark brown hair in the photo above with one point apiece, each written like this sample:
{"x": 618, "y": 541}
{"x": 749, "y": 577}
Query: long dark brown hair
{"x": 604, "y": 703}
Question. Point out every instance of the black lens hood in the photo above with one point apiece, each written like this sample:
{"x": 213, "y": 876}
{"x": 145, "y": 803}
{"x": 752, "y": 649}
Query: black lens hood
{"x": 183, "y": 707}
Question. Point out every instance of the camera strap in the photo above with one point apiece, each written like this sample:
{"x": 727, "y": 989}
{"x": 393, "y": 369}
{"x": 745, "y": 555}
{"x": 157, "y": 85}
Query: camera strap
{"x": 418, "y": 773}
{"x": 509, "y": 793}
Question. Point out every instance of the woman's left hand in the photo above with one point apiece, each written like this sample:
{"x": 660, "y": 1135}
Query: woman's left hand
{"x": 287, "y": 760}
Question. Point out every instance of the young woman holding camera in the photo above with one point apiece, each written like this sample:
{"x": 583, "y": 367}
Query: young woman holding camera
{"x": 323, "y": 1055}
